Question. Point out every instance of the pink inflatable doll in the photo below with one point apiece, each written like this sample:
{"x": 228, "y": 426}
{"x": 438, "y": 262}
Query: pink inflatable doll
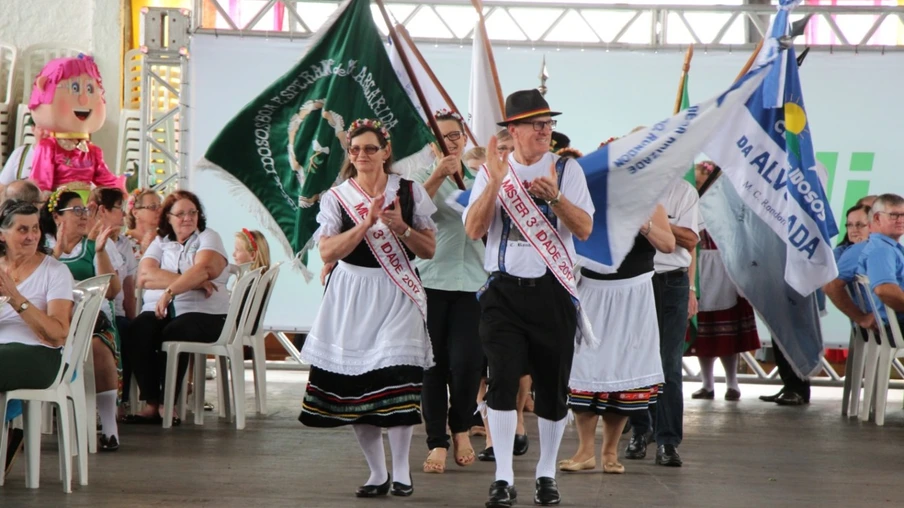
{"x": 67, "y": 101}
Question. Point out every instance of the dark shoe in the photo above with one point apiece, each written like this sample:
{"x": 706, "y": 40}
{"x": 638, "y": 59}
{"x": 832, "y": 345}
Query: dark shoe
{"x": 703, "y": 393}
{"x": 667, "y": 455}
{"x": 547, "y": 492}
{"x": 108, "y": 444}
{"x": 487, "y": 455}
{"x": 502, "y": 495}
{"x": 732, "y": 395}
{"x": 772, "y": 398}
{"x": 637, "y": 447}
{"x": 521, "y": 445}
{"x": 208, "y": 406}
{"x": 791, "y": 399}
{"x": 13, "y": 447}
{"x": 374, "y": 490}
{"x": 402, "y": 490}
{"x": 142, "y": 420}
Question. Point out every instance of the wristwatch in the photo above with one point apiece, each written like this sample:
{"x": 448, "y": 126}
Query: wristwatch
{"x": 692, "y": 288}
{"x": 23, "y": 307}
{"x": 555, "y": 201}
{"x": 406, "y": 234}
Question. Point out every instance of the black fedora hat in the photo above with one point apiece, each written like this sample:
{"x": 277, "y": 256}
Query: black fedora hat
{"x": 525, "y": 104}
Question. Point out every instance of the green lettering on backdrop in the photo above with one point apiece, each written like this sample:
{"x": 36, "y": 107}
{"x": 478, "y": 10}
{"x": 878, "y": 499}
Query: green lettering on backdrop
{"x": 855, "y": 188}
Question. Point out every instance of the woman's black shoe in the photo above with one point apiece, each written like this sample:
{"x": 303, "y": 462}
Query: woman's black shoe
{"x": 521, "y": 445}
{"x": 402, "y": 490}
{"x": 487, "y": 455}
{"x": 374, "y": 490}
{"x": 108, "y": 444}
{"x": 502, "y": 495}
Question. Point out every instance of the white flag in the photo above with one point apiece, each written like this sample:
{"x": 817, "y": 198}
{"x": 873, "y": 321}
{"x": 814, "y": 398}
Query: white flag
{"x": 485, "y": 97}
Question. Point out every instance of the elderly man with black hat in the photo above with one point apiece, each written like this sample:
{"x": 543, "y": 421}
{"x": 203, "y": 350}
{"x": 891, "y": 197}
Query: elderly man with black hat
{"x": 530, "y": 206}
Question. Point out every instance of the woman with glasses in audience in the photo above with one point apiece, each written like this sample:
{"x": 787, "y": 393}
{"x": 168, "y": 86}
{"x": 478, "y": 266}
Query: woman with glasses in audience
{"x": 142, "y": 217}
{"x": 34, "y": 318}
{"x": 184, "y": 276}
{"x": 451, "y": 279}
{"x": 368, "y": 346}
{"x": 89, "y": 253}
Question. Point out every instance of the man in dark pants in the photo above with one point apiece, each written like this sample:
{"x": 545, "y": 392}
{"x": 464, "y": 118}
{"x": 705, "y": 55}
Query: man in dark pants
{"x": 529, "y": 206}
{"x": 671, "y": 288}
{"x": 795, "y": 391}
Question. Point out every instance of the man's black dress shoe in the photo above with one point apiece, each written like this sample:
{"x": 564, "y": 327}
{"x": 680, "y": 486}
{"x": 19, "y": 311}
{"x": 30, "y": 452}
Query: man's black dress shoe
{"x": 772, "y": 398}
{"x": 521, "y": 445}
{"x": 374, "y": 490}
{"x": 487, "y": 455}
{"x": 502, "y": 495}
{"x": 704, "y": 394}
{"x": 667, "y": 455}
{"x": 547, "y": 492}
{"x": 637, "y": 447}
{"x": 402, "y": 490}
{"x": 791, "y": 399}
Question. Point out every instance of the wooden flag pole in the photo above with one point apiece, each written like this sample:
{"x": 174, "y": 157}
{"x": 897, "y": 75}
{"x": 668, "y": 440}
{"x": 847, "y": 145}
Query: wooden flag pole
{"x": 684, "y": 70}
{"x": 439, "y": 87}
{"x": 417, "y": 87}
{"x": 749, "y": 64}
{"x": 478, "y": 5}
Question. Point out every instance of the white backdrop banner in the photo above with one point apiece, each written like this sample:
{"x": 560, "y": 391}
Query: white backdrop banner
{"x": 600, "y": 94}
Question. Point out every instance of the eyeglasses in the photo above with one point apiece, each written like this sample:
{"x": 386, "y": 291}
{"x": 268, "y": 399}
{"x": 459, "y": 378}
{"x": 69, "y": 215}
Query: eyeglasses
{"x": 182, "y": 215}
{"x": 368, "y": 149}
{"x": 453, "y": 136}
{"x": 855, "y": 225}
{"x": 893, "y": 215}
{"x": 79, "y": 211}
{"x": 152, "y": 208}
{"x": 539, "y": 125}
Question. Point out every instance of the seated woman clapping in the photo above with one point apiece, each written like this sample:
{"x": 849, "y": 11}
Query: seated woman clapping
{"x": 34, "y": 320}
{"x": 183, "y": 273}
{"x": 89, "y": 253}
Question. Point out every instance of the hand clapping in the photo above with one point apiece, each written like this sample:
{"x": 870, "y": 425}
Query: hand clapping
{"x": 545, "y": 187}
{"x": 392, "y": 217}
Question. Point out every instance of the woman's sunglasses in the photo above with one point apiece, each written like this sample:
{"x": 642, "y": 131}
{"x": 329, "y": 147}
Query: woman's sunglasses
{"x": 79, "y": 211}
{"x": 368, "y": 149}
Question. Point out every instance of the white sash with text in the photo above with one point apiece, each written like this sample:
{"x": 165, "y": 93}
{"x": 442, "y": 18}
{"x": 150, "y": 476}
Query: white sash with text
{"x": 384, "y": 244}
{"x": 543, "y": 237}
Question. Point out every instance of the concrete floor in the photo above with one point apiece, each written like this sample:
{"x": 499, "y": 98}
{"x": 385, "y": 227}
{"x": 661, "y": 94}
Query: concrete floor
{"x": 736, "y": 454}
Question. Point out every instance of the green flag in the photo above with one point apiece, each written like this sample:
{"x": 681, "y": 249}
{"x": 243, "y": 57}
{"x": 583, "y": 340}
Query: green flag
{"x": 287, "y": 146}
{"x": 690, "y": 177}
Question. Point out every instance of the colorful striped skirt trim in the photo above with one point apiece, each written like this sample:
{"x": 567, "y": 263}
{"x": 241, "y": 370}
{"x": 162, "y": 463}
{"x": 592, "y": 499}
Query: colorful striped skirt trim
{"x": 625, "y": 403}
{"x": 388, "y": 397}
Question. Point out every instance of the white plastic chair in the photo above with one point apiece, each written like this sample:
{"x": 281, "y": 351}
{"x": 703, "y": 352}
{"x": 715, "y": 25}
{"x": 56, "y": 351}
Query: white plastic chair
{"x": 63, "y": 389}
{"x": 8, "y": 61}
{"x": 253, "y": 335}
{"x": 36, "y": 56}
{"x": 88, "y": 386}
{"x": 879, "y": 358}
{"x": 853, "y": 373}
{"x": 226, "y": 349}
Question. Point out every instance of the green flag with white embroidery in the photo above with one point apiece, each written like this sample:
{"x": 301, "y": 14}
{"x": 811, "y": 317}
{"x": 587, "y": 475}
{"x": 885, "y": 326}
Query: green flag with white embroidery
{"x": 287, "y": 146}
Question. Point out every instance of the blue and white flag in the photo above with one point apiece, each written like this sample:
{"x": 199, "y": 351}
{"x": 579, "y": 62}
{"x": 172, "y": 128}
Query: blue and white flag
{"x": 767, "y": 153}
{"x": 628, "y": 176}
{"x": 754, "y": 257}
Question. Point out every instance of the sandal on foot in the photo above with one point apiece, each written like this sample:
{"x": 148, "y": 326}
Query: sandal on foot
{"x": 433, "y": 465}
{"x": 465, "y": 457}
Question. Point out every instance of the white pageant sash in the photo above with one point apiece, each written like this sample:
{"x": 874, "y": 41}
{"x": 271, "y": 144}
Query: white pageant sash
{"x": 383, "y": 243}
{"x": 543, "y": 237}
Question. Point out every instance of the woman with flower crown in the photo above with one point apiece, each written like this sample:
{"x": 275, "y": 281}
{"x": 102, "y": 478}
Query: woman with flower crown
{"x": 368, "y": 346}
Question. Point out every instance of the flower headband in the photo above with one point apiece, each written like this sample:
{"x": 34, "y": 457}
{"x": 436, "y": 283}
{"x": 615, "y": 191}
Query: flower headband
{"x": 54, "y": 198}
{"x": 707, "y": 167}
{"x": 570, "y": 152}
{"x": 445, "y": 114}
{"x": 133, "y": 198}
{"x": 250, "y": 238}
{"x": 366, "y": 122}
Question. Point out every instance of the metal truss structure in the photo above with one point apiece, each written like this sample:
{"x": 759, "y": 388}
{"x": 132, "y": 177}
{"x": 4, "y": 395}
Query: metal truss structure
{"x": 577, "y": 25}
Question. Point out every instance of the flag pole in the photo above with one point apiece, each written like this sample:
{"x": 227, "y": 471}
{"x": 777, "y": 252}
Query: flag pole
{"x": 749, "y": 64}
{"x": 478, "y": 6}
{"x": 684, "y": 70}
{"x": 403, "y": 32}
{"x": 403, "y": 56}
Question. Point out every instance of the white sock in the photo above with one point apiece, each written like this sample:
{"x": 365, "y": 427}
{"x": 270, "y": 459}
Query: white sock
{"x": 370, "y": 439}
{"x": 502, "y": 426}
{"x": 730, "y": 363}
{"x": 706, "y": 372}
{"x": 550, "y": 439}
{"x": 400, "y": 446}
{"x": 106, "y": 408}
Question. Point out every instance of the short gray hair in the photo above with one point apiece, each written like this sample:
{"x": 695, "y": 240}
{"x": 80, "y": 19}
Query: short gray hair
{"x": 884, "y": 202}
{"x": 22, "y": 190}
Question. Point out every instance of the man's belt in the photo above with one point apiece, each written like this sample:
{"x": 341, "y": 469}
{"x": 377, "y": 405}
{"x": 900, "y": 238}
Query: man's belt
{"x": 677, "y": 271}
